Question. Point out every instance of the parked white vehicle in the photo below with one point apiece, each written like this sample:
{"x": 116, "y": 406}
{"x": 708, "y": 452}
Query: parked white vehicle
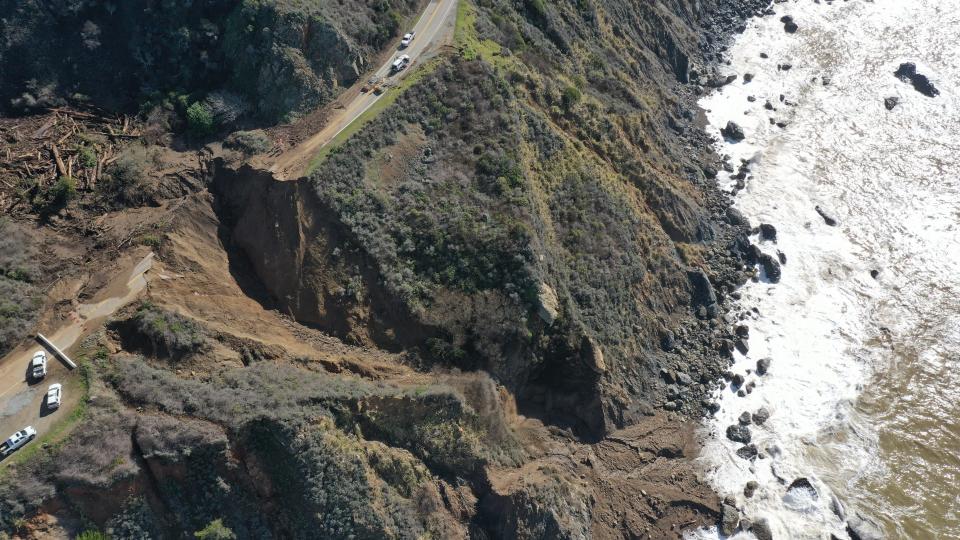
{"x": 38, "y": 366}
{"x": 54, "y": 396}
{"x": 400, "y": 63}
{"x": 407, "y": 40}
{"x": 17, "y": 440}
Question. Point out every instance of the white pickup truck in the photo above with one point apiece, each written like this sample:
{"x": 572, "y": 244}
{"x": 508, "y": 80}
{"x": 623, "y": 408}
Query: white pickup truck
{"x": 17, "y": 440}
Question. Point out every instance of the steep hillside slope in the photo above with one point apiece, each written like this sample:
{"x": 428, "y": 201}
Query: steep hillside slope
{"x": 252, "y": 58}
{"x": 538, "y": 207}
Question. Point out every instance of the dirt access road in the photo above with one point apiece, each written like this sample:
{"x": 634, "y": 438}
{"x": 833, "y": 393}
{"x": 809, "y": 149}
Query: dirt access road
{"x": 22, "y": 400}
{"x": 435, "y": 26}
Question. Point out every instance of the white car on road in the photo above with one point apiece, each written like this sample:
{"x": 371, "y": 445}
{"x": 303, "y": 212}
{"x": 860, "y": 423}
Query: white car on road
{"x": 407, "y": 40}
{"x": 54, "y": 396}
{"x": 17, "y": 440}
{"x": 38, "y": 366}
{"x": 400, "y": 63}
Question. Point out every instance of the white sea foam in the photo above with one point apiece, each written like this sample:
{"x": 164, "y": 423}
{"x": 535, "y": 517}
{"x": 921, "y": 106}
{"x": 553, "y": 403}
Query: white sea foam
{"x": 891, "y": 180}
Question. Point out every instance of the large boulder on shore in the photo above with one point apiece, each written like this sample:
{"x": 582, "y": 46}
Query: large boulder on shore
{"x": 738, "y": 433}
{"x": 729, "y": 519}
{"x": 771, "y": 267}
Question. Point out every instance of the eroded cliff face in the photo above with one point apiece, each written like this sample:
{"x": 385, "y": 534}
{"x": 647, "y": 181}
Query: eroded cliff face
{"x": 540, "y": 213}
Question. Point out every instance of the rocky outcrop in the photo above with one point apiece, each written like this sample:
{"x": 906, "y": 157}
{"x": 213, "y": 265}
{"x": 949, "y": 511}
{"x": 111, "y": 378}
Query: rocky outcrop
{"x": 907, "y": 72}
{"x": 733, "y": 132}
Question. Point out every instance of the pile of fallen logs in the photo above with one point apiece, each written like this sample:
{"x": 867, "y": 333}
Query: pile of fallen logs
{"x": 36, "y": 151}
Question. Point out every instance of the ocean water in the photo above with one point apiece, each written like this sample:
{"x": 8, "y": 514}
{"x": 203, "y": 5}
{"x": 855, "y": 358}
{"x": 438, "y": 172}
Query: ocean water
{"x": 864, "y": 385}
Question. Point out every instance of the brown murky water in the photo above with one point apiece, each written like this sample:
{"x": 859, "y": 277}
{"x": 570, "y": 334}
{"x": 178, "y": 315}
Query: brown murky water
{"x": 864, "y": 387}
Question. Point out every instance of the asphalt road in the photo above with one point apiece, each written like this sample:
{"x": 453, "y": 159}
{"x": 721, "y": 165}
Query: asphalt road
{"x": 22, "y": 400}
{"x": 436, "y": 24}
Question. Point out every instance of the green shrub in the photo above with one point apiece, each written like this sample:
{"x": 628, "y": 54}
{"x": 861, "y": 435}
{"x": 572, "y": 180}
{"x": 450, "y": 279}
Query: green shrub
{"x": 151, "y": 240}
{"x": 200, "y": 119}
{"x": 88, "y": 156}
{"x": 538, "y": 7}
{"x": 216, "y": 530}
{"x": 570, "y": 97}
{"x": 62, "y": 192}
{"x": 91, "y": 534}
{"x": 56, "y": 197}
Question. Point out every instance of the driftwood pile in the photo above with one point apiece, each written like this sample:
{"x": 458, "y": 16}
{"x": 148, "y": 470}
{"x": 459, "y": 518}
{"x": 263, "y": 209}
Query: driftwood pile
{"x": 36, "y": 151}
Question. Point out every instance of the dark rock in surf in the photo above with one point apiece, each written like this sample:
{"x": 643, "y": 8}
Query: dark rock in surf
{"x": 737, "y": 380}
{"x": 748, "y": 452}
{"x": 761, "y": 416}
{"x": 733, "y": 132}
{"x": 761, "y": 529}
{"x": 803, "y": 484}
{"x": 735, "y": 217}
{"x": 750, "y": 488}
{"x": 745, "y": 418}
{"x": 768, "y": 232}
{"x": 827, "y": 217}
{"x": 729, "y": 519}
{"x": 747, "y": 77}
{"x": 738, "y": 433}
{"x": 891, "y": 102}
{"x": 789, "y": 25}
{"x": 763, "y": 365}
{"x": 907, "y": 72}
{"x": 720, "y": 80}
{"x": 771, "y": 268}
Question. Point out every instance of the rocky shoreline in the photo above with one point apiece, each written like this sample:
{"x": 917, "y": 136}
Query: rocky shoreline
{"x": 743, "y": 261}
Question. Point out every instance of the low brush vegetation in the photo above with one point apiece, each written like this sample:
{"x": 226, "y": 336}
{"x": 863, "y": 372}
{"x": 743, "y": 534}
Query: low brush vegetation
{"x": 249, "y": 142}
{"x": 125, "y": 178}
{"x": 507, "y": 168}
{"x": 337, "y": 456}
{"x": 19, "y": 295}
{"x": 168, "y": 334}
